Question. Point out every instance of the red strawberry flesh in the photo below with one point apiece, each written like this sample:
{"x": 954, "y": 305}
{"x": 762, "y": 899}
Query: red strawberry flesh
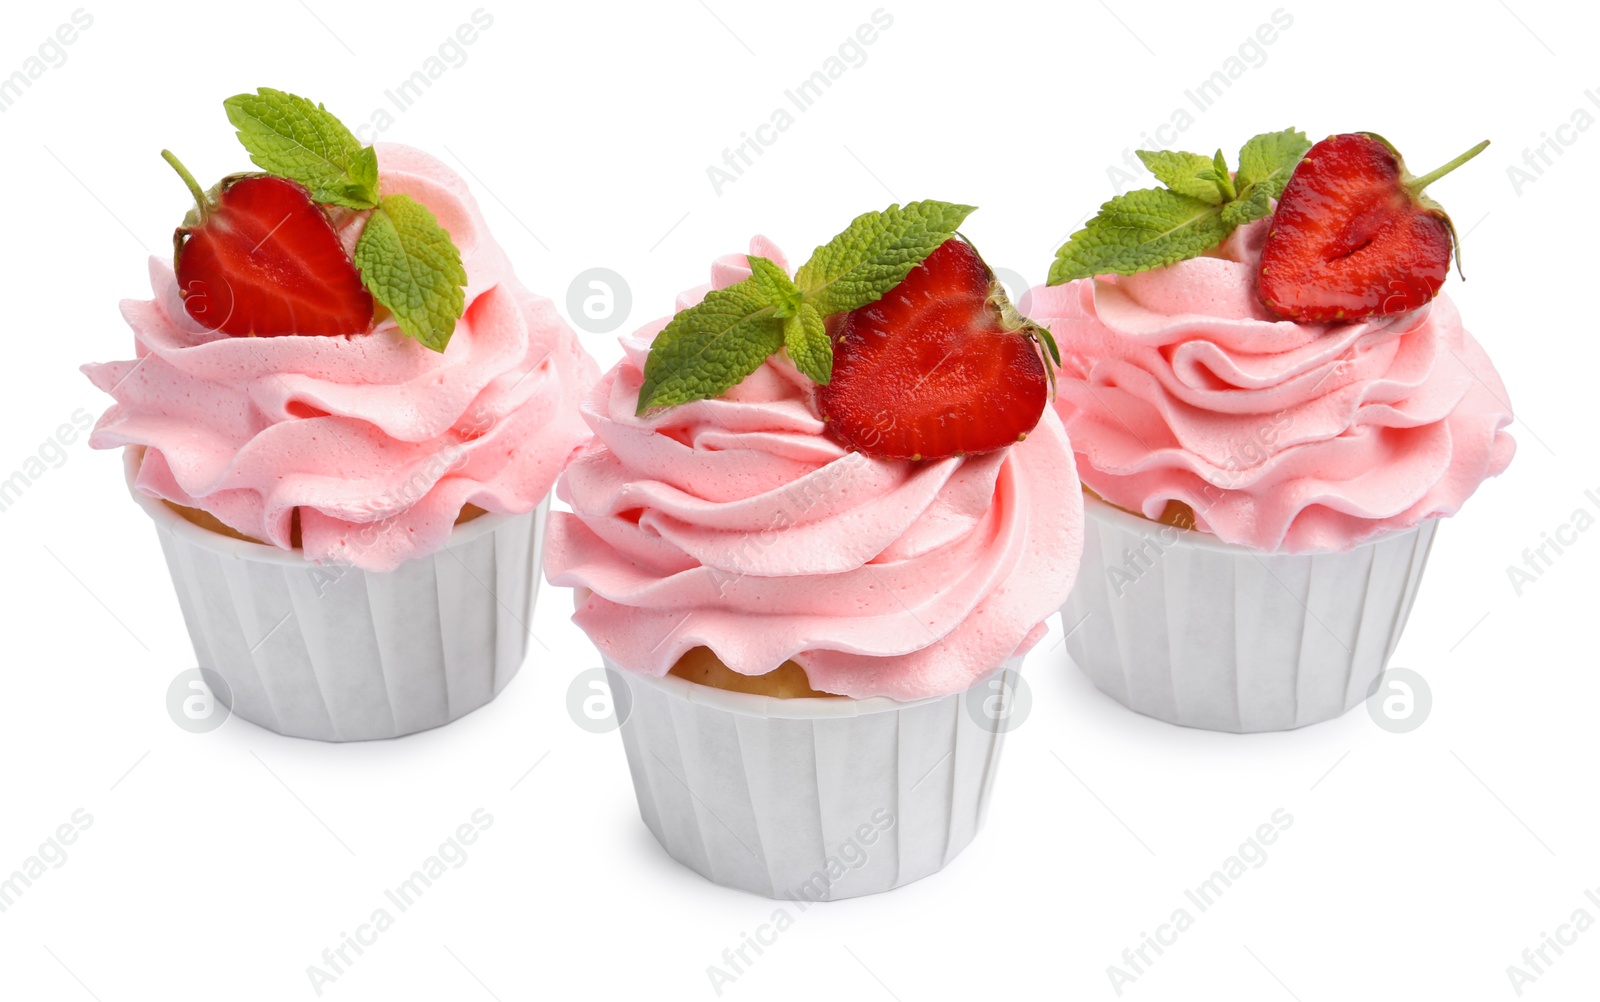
{"x": 936, "y": 367}
{"x": 1353, "y": 236}
{"x": 264, "y": 260}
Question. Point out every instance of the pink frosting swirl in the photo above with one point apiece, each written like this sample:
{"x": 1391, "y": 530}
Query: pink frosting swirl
{"x": 375, "y": 441}
{"x": 735, "y": 524}
{"x": 1179, "y": 386}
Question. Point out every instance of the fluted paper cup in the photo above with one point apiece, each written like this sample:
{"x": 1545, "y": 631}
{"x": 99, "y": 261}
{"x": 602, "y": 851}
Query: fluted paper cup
{"x": 336, "y": 653}
{"x": 1181, "y": 626}
{"x": 811, "y": 799}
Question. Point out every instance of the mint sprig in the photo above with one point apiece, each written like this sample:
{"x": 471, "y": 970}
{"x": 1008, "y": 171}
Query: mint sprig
{"x": 875, "y": 253}
{"x": 293, "y": 138}
{"x": 1201, "y": 204}
{"x": 804, "y": 335}
{"x": 407, "y": 260}
{"x": 1183, "y": 173}
{"x": 806, "y": 339}
{"x": 1267, "y": 160}
{"x": 712, "y": 346}
{"x": 775, "y": 286}
{"x": 410, "y": 265}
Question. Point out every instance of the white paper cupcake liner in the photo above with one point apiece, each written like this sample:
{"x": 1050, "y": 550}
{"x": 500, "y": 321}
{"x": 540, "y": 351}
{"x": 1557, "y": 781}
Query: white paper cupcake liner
{"x": 810, "y": 799}
{"x": 336, "y": 653}
{"x": 1183, "y": 627}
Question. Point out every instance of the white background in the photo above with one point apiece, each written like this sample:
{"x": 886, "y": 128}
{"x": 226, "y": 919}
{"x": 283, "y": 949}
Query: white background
{"x": 222, "y": 865}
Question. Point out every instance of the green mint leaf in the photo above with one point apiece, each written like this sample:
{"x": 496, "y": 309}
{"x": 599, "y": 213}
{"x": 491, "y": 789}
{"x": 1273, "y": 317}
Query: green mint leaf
{"x": 710, "y": 347}
{"x": 715, "y": 344}
{"x": 1137, "y": 231}
{"x": 361, "y": 191}
{"x": 809, "y": 346}
{"x": 410, "y": 265}
{"x": 1184, "y": 173}
{"x": 1197, "y": 210}
{"x": 875, "y": 253}
{"x": 294, "y": 138}
{"x": 1255, "y": 205}
{"x": 1216, "y": 172}
{"x": 1223, "y": 178}
{"x": 1267, "y": 160}
{"x": 775, "y": 286}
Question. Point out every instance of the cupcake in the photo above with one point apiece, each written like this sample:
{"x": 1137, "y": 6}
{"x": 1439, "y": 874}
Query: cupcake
{"x": 344, "y": 416}
{"x": 821, "y": 521}
{"x": 1272, "y": 407}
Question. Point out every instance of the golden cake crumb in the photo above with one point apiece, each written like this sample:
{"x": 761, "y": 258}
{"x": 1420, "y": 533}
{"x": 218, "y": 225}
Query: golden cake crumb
{"x": 787, "y": 681}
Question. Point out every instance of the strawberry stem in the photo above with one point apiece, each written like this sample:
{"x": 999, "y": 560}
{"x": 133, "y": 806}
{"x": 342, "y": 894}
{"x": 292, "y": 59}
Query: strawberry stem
{"x": 188, "y": 179}
{"x": 1416, "y": 184}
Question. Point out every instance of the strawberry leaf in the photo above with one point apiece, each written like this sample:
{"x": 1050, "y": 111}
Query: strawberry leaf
{"x": 410, "y": 265}
{"x": 1137, "y": 231}
{"x": 293, "y": 138}
{"x": 875, "y": 253}
{"x": 710, "y": 347}
{"x": 809, "y": 346}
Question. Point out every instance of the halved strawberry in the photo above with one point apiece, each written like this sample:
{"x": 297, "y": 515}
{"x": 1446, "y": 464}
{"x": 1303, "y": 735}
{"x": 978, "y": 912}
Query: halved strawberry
{"x": 942, "y": 365}
{"x": 259, "y": 257}
{"x": 1353, "y": 235}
